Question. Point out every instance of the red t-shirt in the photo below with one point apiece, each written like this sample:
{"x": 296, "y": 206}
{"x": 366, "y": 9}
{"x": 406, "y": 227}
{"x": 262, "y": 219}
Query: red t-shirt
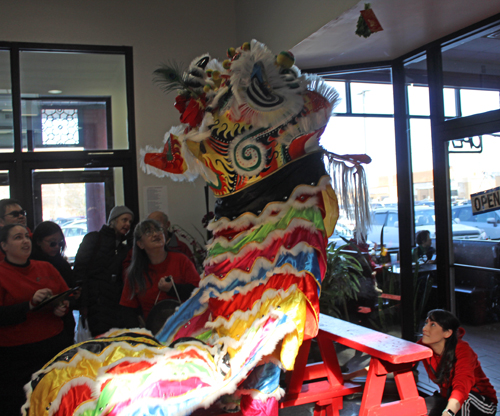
{"x": 18, "y": 285}
{"x": 184, "y": 249}
{"x": 466, "y": 375}
{"x": 176, "y": 265}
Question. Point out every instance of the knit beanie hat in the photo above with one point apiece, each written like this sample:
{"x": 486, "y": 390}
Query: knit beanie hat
{"x": 119, "y": 210}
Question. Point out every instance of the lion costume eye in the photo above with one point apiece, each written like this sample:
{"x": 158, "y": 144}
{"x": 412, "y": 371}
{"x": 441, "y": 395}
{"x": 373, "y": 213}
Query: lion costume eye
{"x": 259, "y": 92}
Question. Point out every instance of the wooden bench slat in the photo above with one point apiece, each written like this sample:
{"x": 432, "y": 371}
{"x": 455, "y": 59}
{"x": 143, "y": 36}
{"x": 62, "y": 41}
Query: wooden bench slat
{"x": 376, "y": 344}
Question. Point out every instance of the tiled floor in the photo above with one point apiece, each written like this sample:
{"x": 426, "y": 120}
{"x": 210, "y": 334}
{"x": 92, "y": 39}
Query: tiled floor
{"x": 485, "y": 340}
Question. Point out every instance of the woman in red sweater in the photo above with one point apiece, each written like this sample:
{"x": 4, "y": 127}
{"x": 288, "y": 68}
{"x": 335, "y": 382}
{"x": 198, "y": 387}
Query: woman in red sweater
{"x": 464, "y": 388}
{"x": 27, "y": 339}
{"x": 152, "y": 269}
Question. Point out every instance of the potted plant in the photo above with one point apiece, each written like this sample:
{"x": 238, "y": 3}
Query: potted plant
{"x": 341, "y": 282}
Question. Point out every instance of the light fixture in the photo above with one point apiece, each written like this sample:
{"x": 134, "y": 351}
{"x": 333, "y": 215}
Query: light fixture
{"x": 55, "y": 91}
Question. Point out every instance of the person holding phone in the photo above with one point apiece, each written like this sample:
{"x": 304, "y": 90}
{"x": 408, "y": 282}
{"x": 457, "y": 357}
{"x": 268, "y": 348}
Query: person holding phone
{"x": 48, "y": 244}
{"x": 153, "y": 271}
{"x": 28, "y": 339}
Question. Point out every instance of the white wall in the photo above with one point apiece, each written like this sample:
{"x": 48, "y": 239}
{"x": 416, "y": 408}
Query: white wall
{"x": 281, "y": 24}
{"x": 158, "y": 31}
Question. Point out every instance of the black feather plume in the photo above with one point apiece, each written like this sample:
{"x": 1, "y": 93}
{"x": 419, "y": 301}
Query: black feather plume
{"x": 170, "y": 78}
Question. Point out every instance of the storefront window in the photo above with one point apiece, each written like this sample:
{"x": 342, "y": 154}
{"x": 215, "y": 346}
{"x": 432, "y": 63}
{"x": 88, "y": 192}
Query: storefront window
{"x": 366, "y": 126}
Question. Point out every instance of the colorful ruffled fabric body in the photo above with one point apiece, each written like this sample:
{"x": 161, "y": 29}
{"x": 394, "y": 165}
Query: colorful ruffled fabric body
{"x": 255, "y": 138}
{"x": 262, "y": 276}
{"x": 257, "y": 302}
{"x": 124, "y": 373}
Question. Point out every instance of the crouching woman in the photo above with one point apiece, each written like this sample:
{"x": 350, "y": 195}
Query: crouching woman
{"x": 464, "y": 389}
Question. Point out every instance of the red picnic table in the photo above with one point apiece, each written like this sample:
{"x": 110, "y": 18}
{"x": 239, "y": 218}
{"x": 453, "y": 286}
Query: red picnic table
{"x": 389, "y": 354}
{"x": 322, "y": 383}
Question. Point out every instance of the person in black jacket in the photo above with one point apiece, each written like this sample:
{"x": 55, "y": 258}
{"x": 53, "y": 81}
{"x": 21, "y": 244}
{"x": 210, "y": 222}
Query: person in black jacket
{"x": 98, "y": 265}
{"x": 48, "y": 244}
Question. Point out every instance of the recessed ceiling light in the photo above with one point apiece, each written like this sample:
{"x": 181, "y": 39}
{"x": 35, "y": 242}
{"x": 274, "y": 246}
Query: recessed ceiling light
{"x": 55, "y": 91}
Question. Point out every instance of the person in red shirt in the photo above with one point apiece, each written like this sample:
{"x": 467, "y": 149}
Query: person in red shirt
{"x": 172, "y": 241}
{"x": 28, "y": 339}
{"x": 454, "y": 367}
{"x": 156, "y": 274}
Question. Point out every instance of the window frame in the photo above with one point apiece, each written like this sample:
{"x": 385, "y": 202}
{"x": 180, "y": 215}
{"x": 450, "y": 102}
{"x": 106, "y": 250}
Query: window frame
{"x": 443, "y": 130}
{"x": 20, "y": 172}
{"x": 79, "y": 104}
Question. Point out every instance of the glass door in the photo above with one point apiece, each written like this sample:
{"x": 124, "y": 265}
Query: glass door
{"x": 79, "y": 200}
{"x": 475, "y": 205}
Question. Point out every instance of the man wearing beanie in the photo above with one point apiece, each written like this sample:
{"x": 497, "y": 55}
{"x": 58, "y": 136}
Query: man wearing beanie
{"x": 98, "y": 265}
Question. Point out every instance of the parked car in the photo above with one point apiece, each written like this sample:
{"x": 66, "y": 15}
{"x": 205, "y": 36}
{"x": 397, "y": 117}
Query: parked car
{"x": 424, "y": 220}
{"x": 73, "y": 234}
{"x": 340, "y": 233}
{"x": 488, "y": 221}
{"x": 68, "y": 220}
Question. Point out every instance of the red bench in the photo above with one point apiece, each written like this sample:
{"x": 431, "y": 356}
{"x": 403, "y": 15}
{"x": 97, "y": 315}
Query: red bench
{"x": 388, "y": 355}
{"x": 327, "y": 395}
{"x": 325, "y": 386}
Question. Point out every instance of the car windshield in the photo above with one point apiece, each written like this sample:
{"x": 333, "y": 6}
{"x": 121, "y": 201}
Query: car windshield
{"x": 390, "y": 218}
{"x": 425, "y": 217}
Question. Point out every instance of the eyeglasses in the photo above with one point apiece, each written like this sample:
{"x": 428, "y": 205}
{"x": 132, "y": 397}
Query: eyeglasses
{"x": 151, "y": 233}
{"x": 56, "y": 243}
{"x": 16, "y": 214}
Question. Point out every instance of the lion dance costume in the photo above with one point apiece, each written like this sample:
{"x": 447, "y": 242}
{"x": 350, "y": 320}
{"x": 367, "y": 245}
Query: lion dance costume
{"x": 251, "y": 127}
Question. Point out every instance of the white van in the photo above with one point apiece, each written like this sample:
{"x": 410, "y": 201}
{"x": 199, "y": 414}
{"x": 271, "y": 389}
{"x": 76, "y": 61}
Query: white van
{"x": 425, "y": 219}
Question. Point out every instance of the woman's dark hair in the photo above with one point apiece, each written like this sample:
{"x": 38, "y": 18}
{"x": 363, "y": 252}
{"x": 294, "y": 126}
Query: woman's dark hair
{"x": 137, "y": 272}
{"x": 5, "y": 231}
{"x": 447, "y": 321}
{"x": 45, "y": 229}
